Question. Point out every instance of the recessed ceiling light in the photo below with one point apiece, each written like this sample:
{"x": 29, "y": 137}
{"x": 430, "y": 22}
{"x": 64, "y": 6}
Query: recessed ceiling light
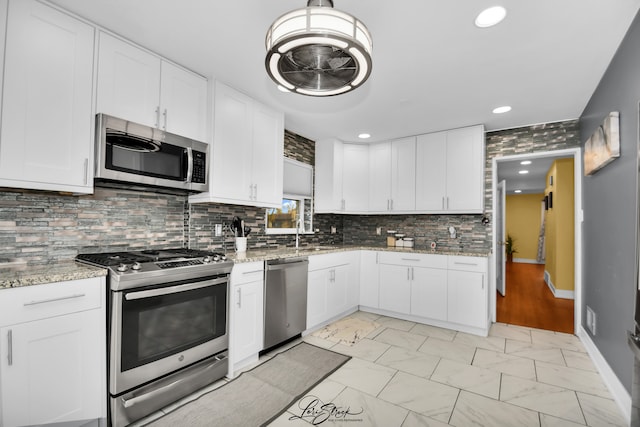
{"x": 364, "y": 136}
{"x": 490, "y": 17}
{"x": 518, "y": 191}
{"x": 503, "y": 109}
{"x": 525, "y": 162}
{"x": 523, "y": 172}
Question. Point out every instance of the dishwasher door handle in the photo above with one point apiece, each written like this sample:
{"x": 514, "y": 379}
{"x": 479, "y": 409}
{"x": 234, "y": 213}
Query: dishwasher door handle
{"x": 293, "y": 264}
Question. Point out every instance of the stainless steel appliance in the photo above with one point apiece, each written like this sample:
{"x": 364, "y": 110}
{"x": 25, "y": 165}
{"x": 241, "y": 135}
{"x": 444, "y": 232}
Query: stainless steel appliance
{"x": 285, "y": 300}
{"x": 167, "y": 326}
{"x": 135, "y": 154}
{"x": 634, "y": 343}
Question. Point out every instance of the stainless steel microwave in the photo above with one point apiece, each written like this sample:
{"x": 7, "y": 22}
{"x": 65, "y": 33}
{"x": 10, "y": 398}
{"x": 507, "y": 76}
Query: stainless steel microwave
{"x": 133, "y": 154}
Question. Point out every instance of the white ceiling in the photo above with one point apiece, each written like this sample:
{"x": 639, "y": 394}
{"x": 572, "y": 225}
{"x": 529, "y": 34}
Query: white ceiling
{"x": 532, "y": 182}
{"x": 432, "y": 68}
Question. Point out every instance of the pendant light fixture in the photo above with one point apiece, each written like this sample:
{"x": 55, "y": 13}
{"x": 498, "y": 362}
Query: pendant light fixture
{"x": 318, "y": 50}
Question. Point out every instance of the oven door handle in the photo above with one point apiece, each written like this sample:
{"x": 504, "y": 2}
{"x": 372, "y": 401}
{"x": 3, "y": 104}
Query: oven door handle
{"x": 173, "y": 289}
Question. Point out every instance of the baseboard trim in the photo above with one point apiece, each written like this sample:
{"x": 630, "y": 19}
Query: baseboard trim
{"x": 617, "y": 390}
{"x": 527, "y": 261}
{"x": 557, "y": 293}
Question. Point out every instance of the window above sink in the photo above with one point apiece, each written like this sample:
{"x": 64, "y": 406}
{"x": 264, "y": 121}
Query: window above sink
{"x": 296, "y": 212}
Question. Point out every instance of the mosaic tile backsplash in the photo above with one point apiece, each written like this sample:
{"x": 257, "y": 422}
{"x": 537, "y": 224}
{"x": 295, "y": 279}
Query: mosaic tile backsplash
{"x": 40, "y": 227}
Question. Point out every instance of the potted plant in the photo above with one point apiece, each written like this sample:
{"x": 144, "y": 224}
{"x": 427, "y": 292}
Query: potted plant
{"x": 509, "y": 248}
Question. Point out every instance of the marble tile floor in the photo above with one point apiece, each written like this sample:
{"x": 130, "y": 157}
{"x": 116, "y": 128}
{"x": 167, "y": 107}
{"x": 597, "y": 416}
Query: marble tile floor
{"x": 408, "y": 374}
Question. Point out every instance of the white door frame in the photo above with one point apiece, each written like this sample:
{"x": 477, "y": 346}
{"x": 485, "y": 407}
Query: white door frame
{"x": 578, "y": 217}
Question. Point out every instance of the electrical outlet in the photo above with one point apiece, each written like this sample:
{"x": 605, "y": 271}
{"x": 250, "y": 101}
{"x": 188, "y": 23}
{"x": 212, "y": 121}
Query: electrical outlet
{"x": 591, "y": 321}
{"x": 378, "y": 231}
{"x": 217, "y": 230}
{"x": 333, "y": 230}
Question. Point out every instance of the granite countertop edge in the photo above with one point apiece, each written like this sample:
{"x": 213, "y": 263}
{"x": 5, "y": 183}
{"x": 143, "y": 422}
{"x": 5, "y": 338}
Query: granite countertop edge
{"x": 21, "y": 275}
{"x": 257, "y": 255}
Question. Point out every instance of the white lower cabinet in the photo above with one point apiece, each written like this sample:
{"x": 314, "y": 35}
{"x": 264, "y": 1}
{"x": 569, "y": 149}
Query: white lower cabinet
{"x": 332, "y": 286}
{"x": 467, "y": 296}
{"x": 395, "y": 288}
{"x": 447, "y": 291}
{"x": 429, "y": 293}
{"x": 53, "y": 353}
{"x": 369, "y": 279}
{"x": 247, "y": 314}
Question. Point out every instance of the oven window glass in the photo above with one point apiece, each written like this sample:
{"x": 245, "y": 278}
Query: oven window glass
{"x": 159, "y": 326}
{"x": 168, "y": 162}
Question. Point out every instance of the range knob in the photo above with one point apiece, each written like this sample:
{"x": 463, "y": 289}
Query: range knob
{"x": 136, "y": 266}
{"x": 122, "y": 267}
{"x": 216, "y": 257}
{"x": 206, "y": 259}
{"x": 223, "y": 257}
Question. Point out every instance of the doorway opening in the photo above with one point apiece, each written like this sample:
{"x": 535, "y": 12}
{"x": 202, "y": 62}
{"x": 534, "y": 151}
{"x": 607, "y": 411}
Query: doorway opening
{"x": 532, "y": 286}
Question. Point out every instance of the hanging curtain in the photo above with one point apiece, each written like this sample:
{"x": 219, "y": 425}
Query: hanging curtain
{"x": 541, "y": 252}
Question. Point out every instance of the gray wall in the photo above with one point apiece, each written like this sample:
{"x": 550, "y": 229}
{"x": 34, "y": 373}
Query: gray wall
{"x": 610, "y": 210}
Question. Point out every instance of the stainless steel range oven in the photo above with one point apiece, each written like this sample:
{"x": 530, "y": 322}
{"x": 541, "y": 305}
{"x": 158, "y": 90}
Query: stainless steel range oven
{"x": 167, "y": 322}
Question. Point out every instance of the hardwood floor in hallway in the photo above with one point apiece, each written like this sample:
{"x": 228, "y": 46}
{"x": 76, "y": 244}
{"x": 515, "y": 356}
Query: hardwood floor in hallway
{"x": 529, "y": 301}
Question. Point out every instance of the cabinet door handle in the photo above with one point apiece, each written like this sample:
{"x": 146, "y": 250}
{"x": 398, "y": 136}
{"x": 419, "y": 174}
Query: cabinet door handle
{"x": 391, "y": 204}
{"x": 86, "y": 171}
{"x": 250, "y": 191}
{"x": 255, "y": 191}
{"x": 377, "y": 258}
{"x": 253, "y": 271}
{"x": 410, "y": 259}
{"x": 344, "y": 204}
{"x": 408, "y": 268}
{"x": 239, "y": 298}
{"x": 447, "y": 202}
{"x": 164, "y": 115}
{"x": 44, "y": 301}
{"x": 412, "y": 274}
{"x": 10, "y": 347}
{"x": 465, "y": 263}
{"x": 157, "y": 117}
{"x": 442, "y": 202}
{"x": 388, "y": 204}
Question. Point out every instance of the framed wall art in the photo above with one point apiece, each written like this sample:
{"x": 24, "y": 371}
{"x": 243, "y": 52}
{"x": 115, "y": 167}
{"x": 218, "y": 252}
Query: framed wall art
{"x": 603, "y": 146}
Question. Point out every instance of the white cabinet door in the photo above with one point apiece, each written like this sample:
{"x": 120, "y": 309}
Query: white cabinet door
{"x": 128, "y": 82}
{"x": 338, "y": 290}
{"x": 248, "y": 320}
{"x": 317, "y": 297}
{"x": 247, "y": 152}
{"x": 403, "y": 175}
{"x": 52, "y": 370}
{"x": 467, "y": 298}
{"x": 46, "y": 141}
{"x": 369, "y": 277}
{"x": 465, "y": 169}
{"x": 431, "y": 178}
{"x": 232, "y": 148}
{"x": 355, "y": 178}
{"x": 395, "y": 288}
{"x": 380, "y": 177}
{"x": 183, "y": 102}
{"x": 328, "y": 168}
{"x": 429, "y": 293}
{"x": 267, "y": 155}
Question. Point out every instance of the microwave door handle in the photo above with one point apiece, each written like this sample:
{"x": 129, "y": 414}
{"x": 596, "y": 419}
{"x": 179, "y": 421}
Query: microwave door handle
{"x": 189, "y": 164}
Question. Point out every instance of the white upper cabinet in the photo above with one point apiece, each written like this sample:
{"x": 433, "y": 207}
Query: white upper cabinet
{"x": 403, "y": 175}
{"x": 441, "y": 172}
{"x": 46, "y": 140}
{"x": 355, "y": 179}
{"x": 450, "y": 172}
{"x": 392, "y": 176}
{"x": 328, "y": 169}
{"x": 247, "y": 152}
{"x": 138, "y": 86}
{"x": 380, "y": 177}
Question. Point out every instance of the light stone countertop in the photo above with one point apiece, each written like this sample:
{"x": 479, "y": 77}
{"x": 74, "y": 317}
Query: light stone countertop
{"x": 15, "y": 276}
{"x": 19, "y": 275}
{"x": 253, "y": 255}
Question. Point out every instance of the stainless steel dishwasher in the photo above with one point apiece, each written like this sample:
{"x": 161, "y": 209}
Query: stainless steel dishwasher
{"x": 285, "y": 300}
